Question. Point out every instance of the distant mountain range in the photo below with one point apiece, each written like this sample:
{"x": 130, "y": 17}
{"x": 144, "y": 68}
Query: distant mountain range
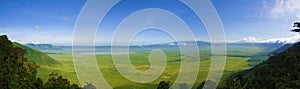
{"x": 264, "y": 48}
{"x": 288, "y": 40}
{"x": 169, "y": 44}
{"x": 43, "y": 46}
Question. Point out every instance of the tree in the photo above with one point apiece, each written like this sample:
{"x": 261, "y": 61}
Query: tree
{"x": 280, "y": 71}
{"x": 164, "y": 85}
{"x": 89, "y": 86}
{"x": 15, "y": 71}
{"x": 209, "y": 85}
{"x": 58, "y": 82}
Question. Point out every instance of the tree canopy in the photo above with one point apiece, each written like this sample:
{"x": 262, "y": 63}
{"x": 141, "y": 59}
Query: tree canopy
{"x": 17, "y": 73}
{"x": 279, "y": 71}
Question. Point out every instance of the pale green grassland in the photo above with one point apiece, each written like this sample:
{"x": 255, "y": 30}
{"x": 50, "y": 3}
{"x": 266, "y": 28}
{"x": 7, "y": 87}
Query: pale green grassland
{"x": 140, "y": 62}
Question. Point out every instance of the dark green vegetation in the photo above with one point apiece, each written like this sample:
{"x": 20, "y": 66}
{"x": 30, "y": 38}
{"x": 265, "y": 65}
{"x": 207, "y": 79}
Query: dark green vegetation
{"x": 163, "y": 85}
{"x": 58, "y": 82}
{"x": 15, "y": 71}
{"x": 210, "y": 85}
{"x": 89, "y": 86}
{"x": 18, "y": 73}
{"x": 280, "y": 71}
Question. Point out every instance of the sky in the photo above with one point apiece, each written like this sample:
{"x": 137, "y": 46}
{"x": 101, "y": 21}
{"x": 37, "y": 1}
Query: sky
{"x": 53, "y": 21}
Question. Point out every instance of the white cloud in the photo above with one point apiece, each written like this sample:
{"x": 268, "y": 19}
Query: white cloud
{"x": 293, "y": 39}
{"x": 19, "y": 41}
{"x": 284, "y": 9}
{"x": 27, "y": 42}
{"x": 37, "y": 27}
{"x": 66, "y": 18}
{"x": 250, "y": 40}
{"x": 197, "y": 38}
{"x": 26, "y": 35}
{"x": 37, "y": 42}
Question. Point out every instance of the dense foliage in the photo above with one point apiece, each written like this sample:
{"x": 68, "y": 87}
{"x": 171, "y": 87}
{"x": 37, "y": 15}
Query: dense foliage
{"x": 58, "y": 82}
{"x": 16, "y": 72}
{"x": 279, "y": 71}
{"x": 164, "y": 85}
{"x": 89, "y": 86}
{"x": 209, "y": 85}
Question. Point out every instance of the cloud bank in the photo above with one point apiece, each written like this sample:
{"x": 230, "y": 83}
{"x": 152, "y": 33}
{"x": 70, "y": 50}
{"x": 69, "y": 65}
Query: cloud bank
{"x": 293, "y": 39}
{"x": 283, "y": 9}
{"x": 37, "y": 27}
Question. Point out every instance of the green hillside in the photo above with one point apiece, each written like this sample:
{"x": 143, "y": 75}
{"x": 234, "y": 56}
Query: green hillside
{"x": 280, "y": 71}
{"x": 17, "y": 72}
{"x": 36, "y": 56}
{"x": 48, "y": 64}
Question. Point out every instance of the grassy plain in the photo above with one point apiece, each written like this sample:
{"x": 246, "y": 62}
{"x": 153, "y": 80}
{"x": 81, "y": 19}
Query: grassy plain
{"x": 140, "y": 62}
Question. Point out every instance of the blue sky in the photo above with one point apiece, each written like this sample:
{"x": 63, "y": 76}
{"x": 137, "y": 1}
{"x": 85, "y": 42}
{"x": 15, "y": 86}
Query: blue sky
{"x": 53, "y": 21}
